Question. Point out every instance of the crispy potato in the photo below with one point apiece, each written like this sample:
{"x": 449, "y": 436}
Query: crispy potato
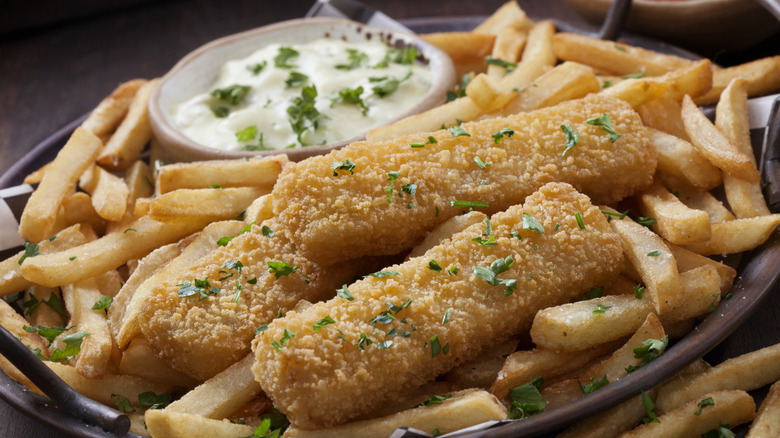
{"x": 508, "y": 46}
{"x": 44, "y": 314}
{"x": 260, "y": 209}
{"x": 78, "y": 208}
{"x": 697, "y": 199}
{"x": 410, "y": 399}
{"x": 109, "y": 192}
{"x": 714, "y": 146}
{"x": 203, "y": 205}
{"x": 767, "y": 421}
{"x": 693, "y": 80}
{"x": 654, "y": 262}
{"x": 636, "y": 91}
{"x": 675, "y": 221}
{"x": 763, "y": 76}
{"x": 167, "y": 424}
{"x": 664, "y": 114}
{"x": 112, "y": 110}
{"x": 141, "y": 360}
{"x": 688, "y": 260}
{"x": 72, "y": 160}
{"x": 221, "y": 395}
{"x": 730, "y": 407}
{"x": 14, "y": 323}
{"x": 506, "y": 16}
{"x": 747, "y": 372}
{"x": 129, "y": 139}
{"x": 484, "y": 92}
{"x": 614, "y": 58}
{"x": 612, "y": 422}
{"x": 37, "y": 176}
{"x": 560, "y": 392}
{"x": 537, "y": 57}
{"x": 445, "y": 230}
{"x": 459, "y": 109}
{"x": 142, "y": 206}
{"x": 463, "y": 409}
{"x": 466, "y": 49}
{"x": 139, "y": 181}
{"x": 737, "y": 235}
{"x": 258, "y": 172}
{"x": 682, "y": 160}
{"x": 93, "y": 360}
{"x": 481, "y": 371}
{"x": 108, "y": 252}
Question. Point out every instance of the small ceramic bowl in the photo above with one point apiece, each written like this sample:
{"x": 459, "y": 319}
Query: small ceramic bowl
{"x": 704, "y": 26}
{"x": 198, "y": 71}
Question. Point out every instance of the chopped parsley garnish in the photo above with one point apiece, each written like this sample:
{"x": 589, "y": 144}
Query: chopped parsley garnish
{"x": 446, "y": 317}
{"x": 650, "y": 409}
{"x": 460, "y": 89}
{"x": 72, "y": 347}
{"x": 601, "y": 309}
{"x": 296, "y": 79}
{"x": 453, "y": 270}
{"x": 596, "y": 292}
{"x": 267, "y": 232}
{"x": 356, "y": 58}
{"x": 530, "y": 223}
{"x": 261, "y": 329}
{"x": 364, "y": 341}
{"x": 469, "y": 204}
{"x": 247, "y": 134}
{"x": 410, "y": 188}
{"x": 639, "y": 291}
{"x": 611, "y": 214}
{"x": 233, "y": 94}
{"x": 490, "y": 238}
{"x": 302, "y": 112}
{"x": 500, "y": 134}
{"x": 280, "y": 268}
{"x": 580, "y": 222}
{"x": 122, "y": 404}
{"x": 497, "y": 267}
{"x": 389, "y": 86}
{"x": 201, "y": 287}
{"x": 703, "y": 404}
{"x": 606, "y": 126}
{"x": 434, "y": 266}
{"x": 404, "y": 56}
{"x": 723, "y": 431}
{"x": 391, "y": 176}
{"x": 351, "y": 96}
{"x": 481, "y": 163}
{"x": 421, "y": 144}
{"x": 322, "y": 323}
{"x": 71, "y": 258}
{"x": 344, "y": 293}
{"x": 257, "y": 68}
{"x": 384, "y": 344}
{"x": 346, "y": 165}
{"x": 223, "y": 241}
{"x": 385, "y": 317}
{"x": 521, "y": 89}
{"x": 634, "y": 75}
{"x": 285, "y": 55}
{"x": 458, "y": 131}
{"x": 655, "y": 253}
{"x": 30, "y": 250}
{"x": 557, "y": 225}
{"x": 154, "y": 401}
{"x": 130, "y": 229}
{"x": 220, "y": 111}
{"x": 382, "y": 274}
{"x": 286, "y": 336}
{"x": 50, "y": 333}
{"x": 397, "y": 309}
{"x": 606, "y": 84}
{"x": 508, "y": 66}
{"x": 645, "y": 221}
{"x": 54, "y": 302}
{"x": 260, "y": 146}
{"x": 593, "y": 385}
{"x": 436, "y": 347}
{"x": 104, "y": 302}
{"x": 435, "y": 400}
{"x": 648, "y": 351}
{"x": 572, "y": 138}
{"x": 526, "y": 400}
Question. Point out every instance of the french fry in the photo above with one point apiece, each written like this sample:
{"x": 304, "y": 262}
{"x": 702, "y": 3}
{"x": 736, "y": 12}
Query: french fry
{"x": 110, "y": 111}
{"x": 44, "y": 203}
{"x": 767, "y": 421}
{"x": 445, "y": 230}
{"x": 763, "y": 76}
{"x": 410, "y": 399}
{"x": 681, "y": 160}
{"x": 132, "y": 135}
{"x": 142, "y": 206}
{"x": 203, "y": 244}
{"x": 78, "y": 208}
{"x": 561, "y": 392}
{"x": 508, "y": 15}
{"x": 537, "y": 57}
{"x": 37, "y": 176}
{"x": 45, "y": 306}
{"x": 714, "y": 146}
{"x": 675, "y": 221}
{"x": 481, "y": 372}
{"x": 93, "y": 360}
{"x": 139, "y": 181}
{"x": 636, "y": 91}
{"x": 141, "y": 360}
{"x": 730, "y": 407}
{"x": 14, "y": 323}
{"x": 256, "y": 172}
{"x": 167, "y": 424}
{"x": 575, "y": 326}
{"x": 508, "y": 46}
{"x": 463, "y": 409}
{"x": 466, "y": 49}
{"x": 746, "y": 372}
{"x": 737, "y": 235}
{"x": 90, "y": 259}
{"x": 223, "y": 394}
{"x": 484, "y": 92}
{"x": 109, "y": 192}
{"x": 693, "y": 80}
{"x": 612, "y": 422}
{"x": 614, "y": 58}
{"x": 203, "y": 205}
{"x": 260, "y": 209}
{"x": 654, "y": 262}
{"x": 697, "y": 199}
{"x": 688, "y": 260}
{"x": 731, "y": 118}
{"x": 664, "y": 114}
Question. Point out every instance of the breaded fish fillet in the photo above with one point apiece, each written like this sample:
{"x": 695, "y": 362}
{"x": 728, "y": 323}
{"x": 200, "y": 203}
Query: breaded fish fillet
{"x": 206, "y": 332}
{"x": 351, "y": 203}
{"x": 341, "y": 358}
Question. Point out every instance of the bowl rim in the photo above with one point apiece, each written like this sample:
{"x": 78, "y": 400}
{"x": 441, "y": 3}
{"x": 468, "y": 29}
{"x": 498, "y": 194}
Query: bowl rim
{"x": 169, "y": 136}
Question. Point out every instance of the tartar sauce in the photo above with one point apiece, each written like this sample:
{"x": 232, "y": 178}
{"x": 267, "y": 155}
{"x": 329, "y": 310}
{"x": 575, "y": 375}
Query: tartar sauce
{"x": 304, "y": 94}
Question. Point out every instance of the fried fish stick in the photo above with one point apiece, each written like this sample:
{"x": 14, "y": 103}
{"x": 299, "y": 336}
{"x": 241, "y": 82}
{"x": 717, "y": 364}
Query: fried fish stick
{"x": 382, "y": 198}
{"x": 204, "y": 320}
{"x": 388, "y": 334}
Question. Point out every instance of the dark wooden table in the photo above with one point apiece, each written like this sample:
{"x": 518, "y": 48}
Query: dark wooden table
{"x": 57, "y": 71}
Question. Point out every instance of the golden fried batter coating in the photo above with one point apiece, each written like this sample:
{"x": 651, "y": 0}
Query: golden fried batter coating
{"x": 322, "y": 377}
{"x": 334, "y": 218}
{"x": 201, "y": 337}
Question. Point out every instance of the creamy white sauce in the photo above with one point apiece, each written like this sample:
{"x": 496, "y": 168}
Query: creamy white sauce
{"x": 266, "y": 104}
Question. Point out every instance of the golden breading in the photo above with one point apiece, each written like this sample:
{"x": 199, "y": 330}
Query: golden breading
{"x": 201, "y": 337}
{"x": 344, "y": 216}
{"x": 322, "y": 377}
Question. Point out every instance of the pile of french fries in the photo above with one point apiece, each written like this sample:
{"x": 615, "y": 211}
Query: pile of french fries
{"x": 104, "y": 226}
